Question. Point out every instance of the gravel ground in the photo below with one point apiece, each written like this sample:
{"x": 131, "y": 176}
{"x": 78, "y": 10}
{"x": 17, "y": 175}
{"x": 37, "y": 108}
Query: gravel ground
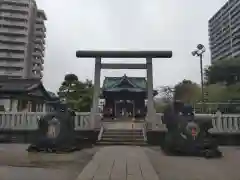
{"x": 194, "y": 168}
{"x": 17, "y": 164}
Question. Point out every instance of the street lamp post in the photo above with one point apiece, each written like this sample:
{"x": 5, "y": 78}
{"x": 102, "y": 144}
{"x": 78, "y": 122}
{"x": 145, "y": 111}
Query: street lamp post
{"x": 199, "y": 52}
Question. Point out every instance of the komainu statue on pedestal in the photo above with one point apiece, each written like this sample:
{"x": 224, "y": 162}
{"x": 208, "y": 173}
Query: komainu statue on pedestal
{"x": 188, "y": 135}
{"x": 56, "y": 132}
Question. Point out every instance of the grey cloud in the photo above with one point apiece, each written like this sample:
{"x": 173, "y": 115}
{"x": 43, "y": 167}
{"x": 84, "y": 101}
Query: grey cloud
{"x": 127, "y": 24}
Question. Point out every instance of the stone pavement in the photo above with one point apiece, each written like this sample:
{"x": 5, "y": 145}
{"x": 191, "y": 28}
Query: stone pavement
{"x": 17, "y": 164}
{"x": 119, "y": 163}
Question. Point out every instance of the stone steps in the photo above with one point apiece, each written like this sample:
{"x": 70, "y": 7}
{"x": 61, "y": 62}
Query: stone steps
{"x": 105, "y": 143}
{"x": 122, "y": 137}
{"x": 123, "y": 141}
{"x": 13, "y": 139}
{"x": 123, "y": 133}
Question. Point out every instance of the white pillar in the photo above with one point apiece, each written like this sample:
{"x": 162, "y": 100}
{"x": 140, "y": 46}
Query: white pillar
{"x": 96, "y": 92}
{"x": 45, "y": 107}
{"x": 29, "y": 106}
{"x": 14, "y": 105}
{"x": 151, "y": 112}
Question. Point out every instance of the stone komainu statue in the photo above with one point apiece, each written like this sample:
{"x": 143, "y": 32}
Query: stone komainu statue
{"x": 188, "y": 134}
{"x": 55, "y": 131}
{"x": 179, "y": 116}
{"x": 171, "y": 115}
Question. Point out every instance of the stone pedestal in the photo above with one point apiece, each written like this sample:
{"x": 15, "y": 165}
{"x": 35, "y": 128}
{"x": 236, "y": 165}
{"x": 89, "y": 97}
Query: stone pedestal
{"x": 55, "y": 134}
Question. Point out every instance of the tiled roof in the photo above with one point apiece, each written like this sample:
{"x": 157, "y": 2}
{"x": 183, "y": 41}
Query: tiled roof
{"x": 20, "y": 85}
{"x": 113, "y": 82}
{"x": 24, "y": 86}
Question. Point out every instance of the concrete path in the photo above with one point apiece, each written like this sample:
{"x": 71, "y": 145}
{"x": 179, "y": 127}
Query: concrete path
{"x": 119, "y": 163}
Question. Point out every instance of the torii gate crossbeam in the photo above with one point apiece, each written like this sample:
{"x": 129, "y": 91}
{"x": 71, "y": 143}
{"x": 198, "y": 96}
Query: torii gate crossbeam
{"x": 148, "y": 55}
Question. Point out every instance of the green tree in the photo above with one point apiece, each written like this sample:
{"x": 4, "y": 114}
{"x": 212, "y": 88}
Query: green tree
{"x": 233, "y": 92}
{"x": 160, "y": 107}
{"x": 187, "y": 91}
{"x": 224, "y": 71}
{"x": 216, "y": 93}
{"x": 167, "y": 93}
{"x": 77, "y": 94}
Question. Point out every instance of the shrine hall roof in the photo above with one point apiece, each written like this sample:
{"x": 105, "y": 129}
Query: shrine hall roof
{"x": 31, "y": 87}
{"x": 136, "y": 83}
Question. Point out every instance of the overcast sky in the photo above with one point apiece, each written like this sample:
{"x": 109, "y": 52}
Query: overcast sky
{"x": 177, "y": 25}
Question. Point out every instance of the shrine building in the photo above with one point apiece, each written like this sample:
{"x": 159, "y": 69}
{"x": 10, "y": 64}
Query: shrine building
{"x": 125, "y": 97}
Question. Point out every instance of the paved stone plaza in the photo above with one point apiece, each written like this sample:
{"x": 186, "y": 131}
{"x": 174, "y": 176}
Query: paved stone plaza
{"x": 115, "y": 163}
{"x": 17, "y": 164}
{"x": 119, "y": 163}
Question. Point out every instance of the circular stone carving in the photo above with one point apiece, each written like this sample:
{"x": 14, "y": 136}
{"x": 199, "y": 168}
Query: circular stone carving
{"x": 54, "y": 127}
{"x": 55, "y": 132}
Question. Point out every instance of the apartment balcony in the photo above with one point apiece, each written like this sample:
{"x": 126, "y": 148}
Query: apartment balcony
{"x": 220, "y": 40}
{"x": 223, "y": 52}
{"x": 40, "y": 20}
{"x": 40, "y": 34}
{"x": 12, "y": 47}
{"x": 9, "y": 31}
{"x": 12, "y": 39}
{"x": 17, "y": 2}
{"x": 41, "y": 27}
{"x": 235, "y": 48}
{"x": 14, "y": 8}
{"x": 236, "y": 42}
{"x": 236, "y": 29}
{"x": 38, "y": 68}
{"x": 235, "y": 18}
{"x": 39, "y": 47}
{"x": 37, "y": 60}
{"x": 236, "y": 34}
{"x": 14, "y": 15}
{"x": 9, "y": 55}
{"x": 236, "y": 53}
{"x": 37, "y": 54}
{"x": 235, "y": 24}
{"x": 224, "y": 43}
{"x": 11, "y": 73}
{"x": 12, "y": 64}
{"x": 14, "y": 23}
{"x": 38, "y": 75}
{"x": 216, "y": 25}
{"x": 40, "y": 40}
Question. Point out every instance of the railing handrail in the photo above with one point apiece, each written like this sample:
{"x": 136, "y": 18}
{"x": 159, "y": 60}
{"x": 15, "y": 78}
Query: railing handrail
{"x": 144, "y": 131}
{"x": 28, "y": 121}
{"x": 100, "y": 133}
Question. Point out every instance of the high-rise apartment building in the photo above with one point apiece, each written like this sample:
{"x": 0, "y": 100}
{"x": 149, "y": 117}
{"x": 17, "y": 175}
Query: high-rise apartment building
{"x": 224, "y": 32}
{"x": 22, "y": 39}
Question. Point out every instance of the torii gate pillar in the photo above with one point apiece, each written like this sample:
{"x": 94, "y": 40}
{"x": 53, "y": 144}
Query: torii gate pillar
{"x": 96, "y": 92}
{"x": 148, "y": 55}
{"x": 151, "y": 111}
